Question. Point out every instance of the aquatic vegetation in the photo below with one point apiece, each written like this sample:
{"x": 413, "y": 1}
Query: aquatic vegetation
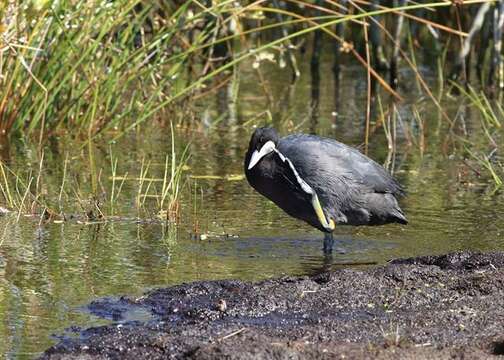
{"x": 490, "y": 119}
{"x": 32, "y": 192}
{"x": 488, "y": 164}
{"x": 89, "y": 67}
{"x": 100, "y": 99}
{"x": 168, "y": 200}
{"x": 107, "y": 68}
{"x": 16, "y": 191}
{"x": 86, "y": 66}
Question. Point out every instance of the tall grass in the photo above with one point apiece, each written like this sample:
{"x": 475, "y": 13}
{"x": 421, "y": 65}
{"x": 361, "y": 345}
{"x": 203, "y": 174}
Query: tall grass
{"x": 91, "y": 66}
{"x": 17, "y": 191}
{"x": 59, "y": 187}
{"x": 490, "y": 118}
{"x": 86, "y": 65}
{"x": 42, "y": 191}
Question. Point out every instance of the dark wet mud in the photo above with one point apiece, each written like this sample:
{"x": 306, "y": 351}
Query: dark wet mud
{"x": 449, "y": 306}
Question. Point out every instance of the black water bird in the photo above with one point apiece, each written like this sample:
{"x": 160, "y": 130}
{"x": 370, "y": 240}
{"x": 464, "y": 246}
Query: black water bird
{"x": 322, "y": 181}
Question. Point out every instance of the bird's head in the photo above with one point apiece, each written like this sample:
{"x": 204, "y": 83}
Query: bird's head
{"x": 262, "y": 142}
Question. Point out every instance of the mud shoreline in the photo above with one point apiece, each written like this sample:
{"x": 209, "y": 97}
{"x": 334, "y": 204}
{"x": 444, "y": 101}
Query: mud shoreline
{"x": 449, "y": 306}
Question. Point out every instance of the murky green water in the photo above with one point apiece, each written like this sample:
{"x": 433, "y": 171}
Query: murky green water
{"x": 49, "y": 270}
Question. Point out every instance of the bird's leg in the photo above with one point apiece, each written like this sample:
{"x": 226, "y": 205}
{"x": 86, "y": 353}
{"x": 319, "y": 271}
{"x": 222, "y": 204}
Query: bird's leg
{"x": 328, "y": 243}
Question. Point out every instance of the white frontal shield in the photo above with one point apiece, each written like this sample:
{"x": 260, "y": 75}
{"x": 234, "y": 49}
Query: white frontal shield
{"x": 267, "y": 148}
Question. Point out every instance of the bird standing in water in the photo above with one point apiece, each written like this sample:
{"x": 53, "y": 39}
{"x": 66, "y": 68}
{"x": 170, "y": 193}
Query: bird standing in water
{"x": 322, "y": 181}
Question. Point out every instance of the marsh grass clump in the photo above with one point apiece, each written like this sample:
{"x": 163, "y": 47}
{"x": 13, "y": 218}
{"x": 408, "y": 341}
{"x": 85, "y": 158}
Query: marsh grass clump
{"x": 16, "y": 191}
{"x": 53, "y": 194}
{"x": 172, "y": 182}
{"x": 482, "y": 144}
{"x": 91, "y": 66}
{"x": 86, "y": 65}
{"x": 24, "y": 191}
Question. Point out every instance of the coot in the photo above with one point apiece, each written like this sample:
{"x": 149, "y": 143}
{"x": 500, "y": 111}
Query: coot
{"x": 322, "y": 181}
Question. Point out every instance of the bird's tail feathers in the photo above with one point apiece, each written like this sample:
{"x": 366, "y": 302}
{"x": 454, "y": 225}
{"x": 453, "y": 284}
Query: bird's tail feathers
{"x": 399, "y": 217}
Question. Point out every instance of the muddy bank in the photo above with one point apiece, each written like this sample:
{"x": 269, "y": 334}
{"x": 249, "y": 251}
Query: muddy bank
{"x": 449, "y": 306}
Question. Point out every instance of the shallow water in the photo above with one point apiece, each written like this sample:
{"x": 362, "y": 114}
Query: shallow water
{"x": 49, "y": 271}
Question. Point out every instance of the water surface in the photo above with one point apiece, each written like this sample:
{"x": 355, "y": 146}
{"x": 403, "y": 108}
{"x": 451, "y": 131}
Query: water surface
{"x": 49, "y": 271}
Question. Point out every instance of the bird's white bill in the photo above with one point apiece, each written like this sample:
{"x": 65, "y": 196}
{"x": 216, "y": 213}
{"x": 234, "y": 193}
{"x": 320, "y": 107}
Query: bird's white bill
{"x": 268, "y": 147}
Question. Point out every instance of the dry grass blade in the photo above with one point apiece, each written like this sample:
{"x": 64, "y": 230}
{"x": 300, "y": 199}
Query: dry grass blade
{"x": 416, "y": 18}
{"x": 419, "y": 77}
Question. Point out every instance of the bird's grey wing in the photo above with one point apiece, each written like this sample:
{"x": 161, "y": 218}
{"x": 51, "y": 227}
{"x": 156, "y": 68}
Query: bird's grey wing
{"x": 325, "y": 161}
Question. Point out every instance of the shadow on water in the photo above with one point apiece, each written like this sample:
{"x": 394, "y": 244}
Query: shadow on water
{"x": 308, "y": 250}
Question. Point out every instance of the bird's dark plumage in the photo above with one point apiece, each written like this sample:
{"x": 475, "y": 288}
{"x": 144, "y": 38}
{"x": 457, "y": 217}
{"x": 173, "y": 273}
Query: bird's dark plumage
{"x": 350, "y": 187}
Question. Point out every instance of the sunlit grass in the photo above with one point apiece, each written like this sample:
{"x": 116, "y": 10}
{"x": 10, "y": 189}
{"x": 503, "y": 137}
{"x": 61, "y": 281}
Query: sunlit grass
{"x": 86, "y": 66}
{"x": 93, "y": 66}
{"x": 29, "y": 193}
{"x": 90, "y": 68}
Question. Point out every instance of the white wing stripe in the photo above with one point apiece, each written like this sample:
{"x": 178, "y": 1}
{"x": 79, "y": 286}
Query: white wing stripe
{"x": 307, "y": 189}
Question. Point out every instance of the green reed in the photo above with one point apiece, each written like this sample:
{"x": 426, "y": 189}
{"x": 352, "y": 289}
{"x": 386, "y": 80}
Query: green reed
{"x": 60, "y": 189}
{"x": 85, "y": 66}
{"x": 90, "y": 66}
